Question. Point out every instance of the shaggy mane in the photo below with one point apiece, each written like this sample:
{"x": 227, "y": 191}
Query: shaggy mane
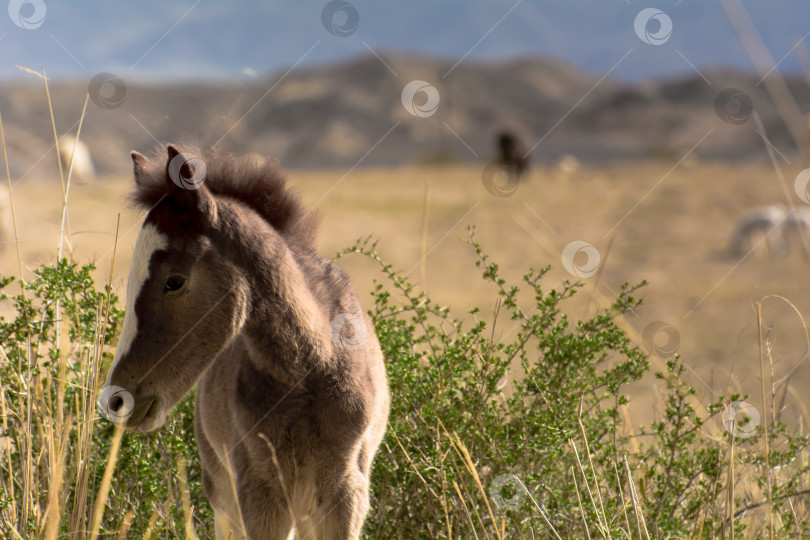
{"x": 260, "y": 186}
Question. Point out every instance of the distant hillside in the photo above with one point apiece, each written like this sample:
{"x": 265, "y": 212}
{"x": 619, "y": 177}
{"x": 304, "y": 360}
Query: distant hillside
{"x": 336, "y": 114}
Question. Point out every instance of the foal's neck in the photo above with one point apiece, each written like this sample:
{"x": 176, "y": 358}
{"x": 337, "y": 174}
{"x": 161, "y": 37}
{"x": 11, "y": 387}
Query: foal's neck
{"x": 285, "y": 329}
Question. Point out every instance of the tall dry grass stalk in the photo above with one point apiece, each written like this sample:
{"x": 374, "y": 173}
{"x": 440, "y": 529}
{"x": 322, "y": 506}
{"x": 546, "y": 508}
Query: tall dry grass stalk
{"x": 783, "y": 100}
{"x": 281, "y": 479}
{"x": 232, "y": 480}
{"x": 56, "y": 147}
{"x": 581, "y": 507}
{"x": 57, "y": 476}
{"x": 9, "y": 487}
{"x": 601, "y": 525}
{"x": 36, "y": 494}
{"x": 26, "y": 466}
{"x": 466, "y": 511}
{"x": 185, "y": 499}
{"x": 641, "y": 526}
{"x": 540, "y": 509}
{"x": 11, "y": 199}
{"x": 786, "y": 191}
{"x": 67, "y": 185}
{"x": 125, "y": 525}
{"x": 738, "y": 13}
{"x": 764, "y": 418}
{"x": 423, "y": 245}
{"x": 601, "y": 512}
{"x": 731, "y": 479}
{"x": 104, "y": 490}
{"x": 463, "y": 453}
{"x": 155, "y": 518}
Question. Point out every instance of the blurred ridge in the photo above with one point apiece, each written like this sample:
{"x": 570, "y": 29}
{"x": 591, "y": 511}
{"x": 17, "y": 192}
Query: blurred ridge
{"x": 333, "y": 115}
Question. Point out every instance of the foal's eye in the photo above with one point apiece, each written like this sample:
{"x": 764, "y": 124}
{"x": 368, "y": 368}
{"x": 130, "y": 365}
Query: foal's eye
{"x": 174, "y": 283}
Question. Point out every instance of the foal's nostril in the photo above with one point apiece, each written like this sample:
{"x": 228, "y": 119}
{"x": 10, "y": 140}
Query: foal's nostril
{"x": 115, "y": 404}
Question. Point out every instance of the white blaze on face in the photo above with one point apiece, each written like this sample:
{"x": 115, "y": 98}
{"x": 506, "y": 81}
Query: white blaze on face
{"x": 149, "y": 241}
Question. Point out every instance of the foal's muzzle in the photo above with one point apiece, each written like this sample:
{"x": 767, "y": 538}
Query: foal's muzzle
{"x": 121, "y": 407}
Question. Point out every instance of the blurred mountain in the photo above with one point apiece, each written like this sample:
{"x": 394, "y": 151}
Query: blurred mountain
{"x": 348, "y": 113}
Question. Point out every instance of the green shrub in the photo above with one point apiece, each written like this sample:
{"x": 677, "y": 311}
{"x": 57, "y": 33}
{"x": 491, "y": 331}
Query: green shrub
{"x": 512, "y": 429}
{"x": 503, "y": 429}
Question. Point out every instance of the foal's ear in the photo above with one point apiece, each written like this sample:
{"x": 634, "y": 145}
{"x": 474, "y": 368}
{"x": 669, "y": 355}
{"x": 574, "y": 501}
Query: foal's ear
{"x": 138, "y": 165}
{"x": 186, "y": 169}
{"x": 185, "y": 178}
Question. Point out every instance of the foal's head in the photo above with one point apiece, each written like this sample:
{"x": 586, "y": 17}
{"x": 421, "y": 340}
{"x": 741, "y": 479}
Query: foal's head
{"x": 185, "y": 299}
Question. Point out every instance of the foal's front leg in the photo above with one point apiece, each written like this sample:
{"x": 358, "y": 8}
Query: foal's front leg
{"x": 343, "y": 512}
{"x": 225, "y": 528}
{"x": 264, "y": 511}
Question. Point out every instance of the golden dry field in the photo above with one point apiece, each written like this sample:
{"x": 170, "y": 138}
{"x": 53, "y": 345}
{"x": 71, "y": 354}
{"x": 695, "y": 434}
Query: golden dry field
{"x": 654, "y": 221}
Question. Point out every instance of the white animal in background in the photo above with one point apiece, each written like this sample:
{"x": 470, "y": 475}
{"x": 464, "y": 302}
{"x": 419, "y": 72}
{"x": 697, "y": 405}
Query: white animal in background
{"x": 766, "y": 223}
{"x": 83, "y": 169}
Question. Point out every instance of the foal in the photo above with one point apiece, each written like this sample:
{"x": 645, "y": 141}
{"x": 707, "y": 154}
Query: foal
{"x": 226, "y": 288}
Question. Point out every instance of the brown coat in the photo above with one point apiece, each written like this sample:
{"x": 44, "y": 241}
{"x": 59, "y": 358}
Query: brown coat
{"x": 227, "y": 289}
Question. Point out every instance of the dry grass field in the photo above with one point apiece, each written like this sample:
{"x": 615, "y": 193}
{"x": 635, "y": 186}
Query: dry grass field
{"x": 649, "y": 220}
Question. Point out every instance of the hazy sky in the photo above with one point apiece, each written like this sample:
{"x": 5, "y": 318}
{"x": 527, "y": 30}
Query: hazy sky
{"x": 219, "y": 39}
